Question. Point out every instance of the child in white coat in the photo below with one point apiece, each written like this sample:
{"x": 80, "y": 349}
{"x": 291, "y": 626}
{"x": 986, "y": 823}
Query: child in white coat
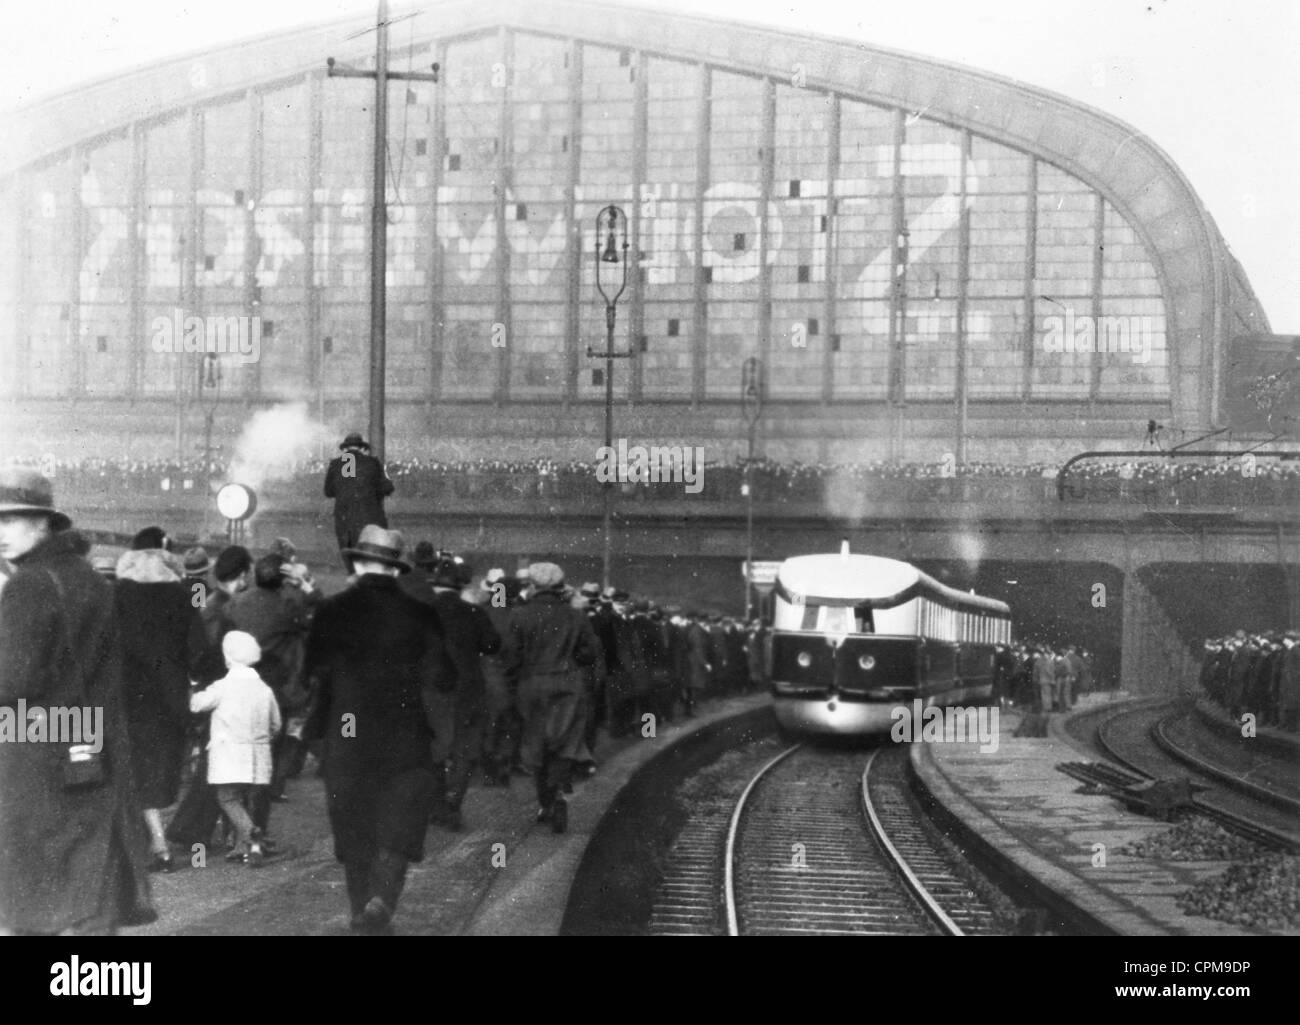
{"x": 245, "y": 720}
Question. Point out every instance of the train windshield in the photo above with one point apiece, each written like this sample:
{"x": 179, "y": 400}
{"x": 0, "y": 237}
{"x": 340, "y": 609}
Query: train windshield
{"x": 838, "y": 619}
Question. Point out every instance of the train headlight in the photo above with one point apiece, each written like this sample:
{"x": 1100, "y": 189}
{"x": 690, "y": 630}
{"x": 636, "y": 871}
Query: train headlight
{"x": 867, "y": 661}
{"x": 804, "y": 659}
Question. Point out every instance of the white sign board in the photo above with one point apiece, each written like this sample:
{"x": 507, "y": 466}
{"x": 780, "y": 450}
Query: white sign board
{"x": 764, "y": 573}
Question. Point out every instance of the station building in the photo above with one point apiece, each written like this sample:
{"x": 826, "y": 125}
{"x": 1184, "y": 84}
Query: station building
{"x": 923, "y": 255}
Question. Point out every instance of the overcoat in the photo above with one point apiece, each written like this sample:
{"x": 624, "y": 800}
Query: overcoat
{"x": 66, "y": 856}
{"x": 552, "y": 643}
{"x": 697, "y": 657}
{"x": 164, "y": 646}
{"x": 371, "y": 649}
{"x": 358, "y": 495}
{"x": 245, "y": 720}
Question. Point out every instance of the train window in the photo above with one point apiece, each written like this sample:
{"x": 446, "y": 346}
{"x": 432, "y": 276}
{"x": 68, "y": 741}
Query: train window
{"x": 837, "y": 619}
{"x": 809, "y": 617}
{"x": 862, "y": 619}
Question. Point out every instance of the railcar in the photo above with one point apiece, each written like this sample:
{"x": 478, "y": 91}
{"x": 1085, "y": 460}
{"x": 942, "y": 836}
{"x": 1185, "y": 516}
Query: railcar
{"x": 856, "y": 636}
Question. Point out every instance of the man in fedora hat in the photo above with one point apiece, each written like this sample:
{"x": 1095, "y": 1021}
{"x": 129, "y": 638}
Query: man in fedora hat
{"x": 371, "y": 651}
{"x": 358, "y": 484}
{"x": 71, "y": 857}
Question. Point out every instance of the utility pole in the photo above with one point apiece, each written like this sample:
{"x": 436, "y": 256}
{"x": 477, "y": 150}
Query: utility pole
{"x": 751, "y": 399}
{"x": 379, "y": 215}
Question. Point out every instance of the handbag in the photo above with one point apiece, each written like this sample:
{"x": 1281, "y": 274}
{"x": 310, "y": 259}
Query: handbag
{"x": 83, "y": 766}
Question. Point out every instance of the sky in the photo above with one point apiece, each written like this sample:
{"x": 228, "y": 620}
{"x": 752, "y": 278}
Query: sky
{"x": 1214, "y": 82}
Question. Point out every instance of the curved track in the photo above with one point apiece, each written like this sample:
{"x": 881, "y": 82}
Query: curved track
{"x": 1144, "y": 740}
{"x": 818, "y": 843}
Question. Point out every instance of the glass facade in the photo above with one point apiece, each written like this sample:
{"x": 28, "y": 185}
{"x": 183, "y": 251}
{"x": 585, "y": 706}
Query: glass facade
{"x": 863, "y": 252}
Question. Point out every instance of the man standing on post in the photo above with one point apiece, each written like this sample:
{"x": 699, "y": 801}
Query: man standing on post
{"x": 358, "y": 484}
{"x": 371, "y": 650}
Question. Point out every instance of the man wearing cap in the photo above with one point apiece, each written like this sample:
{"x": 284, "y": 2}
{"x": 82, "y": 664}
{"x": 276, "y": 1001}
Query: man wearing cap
{"x": 458, "y": 715}
{"x": 553, "y": 643}
{"x": 71, "y": 856}
{"x": 358, "y": 484}
{"x": 372, "y": 649}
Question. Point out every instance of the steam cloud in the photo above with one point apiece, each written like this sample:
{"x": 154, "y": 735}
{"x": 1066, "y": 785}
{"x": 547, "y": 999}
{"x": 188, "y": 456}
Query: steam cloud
{"x": 274, "y": 442}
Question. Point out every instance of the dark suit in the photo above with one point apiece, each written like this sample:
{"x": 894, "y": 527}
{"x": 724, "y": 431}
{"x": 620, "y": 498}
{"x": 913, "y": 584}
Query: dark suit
{"x": 553, "y": 643}
{"x": 358, "y": 495}
{"x": 458, "y": 715}
{"x": 372, "y": 650}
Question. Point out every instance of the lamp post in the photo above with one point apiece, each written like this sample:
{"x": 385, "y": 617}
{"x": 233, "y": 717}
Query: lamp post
{"x": 751, "y": 404}
{"x": 210, "y": 394}
{"x": 610, "y": 253}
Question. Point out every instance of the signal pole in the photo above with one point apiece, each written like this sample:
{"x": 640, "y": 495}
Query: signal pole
{"x": 379, "y": 215}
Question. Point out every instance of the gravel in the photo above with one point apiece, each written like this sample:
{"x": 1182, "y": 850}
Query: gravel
{"x": 1263, "y": 893}
{"x": 1195, "y": 839}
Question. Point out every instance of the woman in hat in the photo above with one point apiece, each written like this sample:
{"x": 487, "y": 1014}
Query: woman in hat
{"x": 164, "y": 647}
{"x": 70, "y": 857}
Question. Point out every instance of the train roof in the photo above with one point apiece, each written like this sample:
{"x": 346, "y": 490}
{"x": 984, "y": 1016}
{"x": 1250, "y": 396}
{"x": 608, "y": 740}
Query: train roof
{"x": 870, "y": 580}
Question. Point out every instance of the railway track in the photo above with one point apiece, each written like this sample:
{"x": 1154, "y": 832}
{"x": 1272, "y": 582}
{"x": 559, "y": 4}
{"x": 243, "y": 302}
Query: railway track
{"x": 1148, "y": 740}
{"x": 816, "y": 842}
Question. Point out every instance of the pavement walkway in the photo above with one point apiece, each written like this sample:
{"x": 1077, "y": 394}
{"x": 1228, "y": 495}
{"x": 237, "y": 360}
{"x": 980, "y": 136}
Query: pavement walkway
{"x": 1032, "y": 814}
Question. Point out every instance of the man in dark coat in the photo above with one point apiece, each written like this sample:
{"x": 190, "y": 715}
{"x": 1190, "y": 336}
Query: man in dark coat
{"x": 358, "y": 484}
{"x": 372, "y": 649}
{"x": 277, "y": 615}
{"x": 698, "y": 667}
{"x": 71, "y": 859}
{"x": 553, "y": 642}
{"x": 501, "y": 681}
{"x": 197, "y": 815}
{"x": 458, "y": 715}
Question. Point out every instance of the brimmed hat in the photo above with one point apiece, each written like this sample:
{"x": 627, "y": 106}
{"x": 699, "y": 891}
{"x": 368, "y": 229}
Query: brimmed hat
{"x": 424, "y": 555}
{"x": 379, "y": 545}
{"x": 26, "y": 492}
{"x": 590, "y": 590}
{"x": 354, "y": 440}
{"x": 546, "y": 576}
{"x": 197, "y": 561}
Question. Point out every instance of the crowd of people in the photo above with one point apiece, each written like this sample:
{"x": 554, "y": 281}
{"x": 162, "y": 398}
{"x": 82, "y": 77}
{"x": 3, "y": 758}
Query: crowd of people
{"x": 1255, "y": 673}
{"x": 221, "y": 677}
{"x": 1155, "y": 478}
{"x": 1041, "y": 677}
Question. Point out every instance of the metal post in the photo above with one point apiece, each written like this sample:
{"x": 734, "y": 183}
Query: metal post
{"x": 379, "y": 215}
{"x": 616, "y": 222}
{"x": 180, "y": 362}
{"x": 608, "y": 555}
{"x": 379, "y": 239}
{"x": 751, "y": 404}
